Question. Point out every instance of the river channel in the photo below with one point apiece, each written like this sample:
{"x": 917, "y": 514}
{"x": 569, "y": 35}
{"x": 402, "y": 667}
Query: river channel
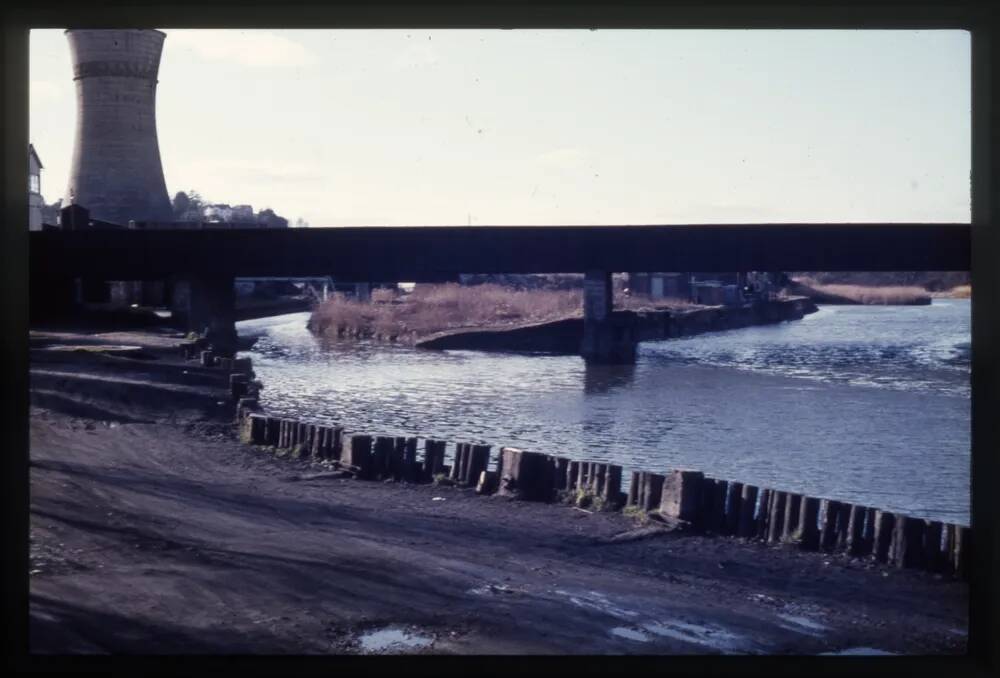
{"x": 866, "y": 404}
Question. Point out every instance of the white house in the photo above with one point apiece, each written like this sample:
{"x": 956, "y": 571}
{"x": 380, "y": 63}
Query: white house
{"x": 35, "y": 202}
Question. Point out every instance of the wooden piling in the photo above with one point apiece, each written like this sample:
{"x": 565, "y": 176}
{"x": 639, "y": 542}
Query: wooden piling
{"x": 479, "y": 460}
{"x": 868, "y": 533}
{"x": 433, "y": 459}
{"x": 652, "y": 491}
{"x": 560, "y": 466}
{"x": 762, "y": 514}
{"x": 681, "y": 495}
{"x": 732, "y": 508}
{"x": 776, "y": 518}
{"x": 612, "y": 490}
{"x": 933, "y": 560}
{"x": 272, "y": 429}
{"x": 572, "y": 475}
{"x": 411, "y": 472}
{"x": 855, "y": 530}
{"x": 906, "y": 548}
{"x": 397, "y": 458}
{"x": 842, "y": 526}
{"x": 382, "y": 456}
{"x": 207, "y": 359}
{"x": 882, "y": 535}
{"x": 487, "y": 482}
{"x": 633, "y": 490}
{"x": 789, "y": 530}
{"x": 748, "y": 505}
{"x": 258, "y": 424}
{"x": 807, "y": 529}
{"x": 828, "y": 511}
{"x": 716, "y": 520}
{"x": 357, "y": 453}
{"x": 961, "y": 553}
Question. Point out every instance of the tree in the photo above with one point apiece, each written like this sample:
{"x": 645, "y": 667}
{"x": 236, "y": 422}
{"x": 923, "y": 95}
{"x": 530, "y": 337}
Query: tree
{"x": 188, "y": 206}
{"x": 301, "y": 223}
{"x": 271, "y": 220}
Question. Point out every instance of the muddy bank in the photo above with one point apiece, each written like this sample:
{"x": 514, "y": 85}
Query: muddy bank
{"x": 563, "y": 336}
{"x": 154, "y": 530}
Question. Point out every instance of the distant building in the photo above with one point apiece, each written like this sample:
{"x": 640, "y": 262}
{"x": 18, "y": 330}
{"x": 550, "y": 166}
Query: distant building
{"x": 242, "y": 213}
{"x": 35, "y": 202}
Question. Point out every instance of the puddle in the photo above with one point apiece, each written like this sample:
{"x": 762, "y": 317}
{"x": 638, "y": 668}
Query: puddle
{"x": 393, "y": 639}
{"x": 598, "y": 601}
{"x": 492, "y": 589}
{"x": 801, "y": 624}
{"x": 709, "y": 635}
{"x": 870, "y": 651}
{"x": 630, "y": 634}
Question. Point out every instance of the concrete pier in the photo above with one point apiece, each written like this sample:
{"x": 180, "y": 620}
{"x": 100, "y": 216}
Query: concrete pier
{"x": 607, "y": 339}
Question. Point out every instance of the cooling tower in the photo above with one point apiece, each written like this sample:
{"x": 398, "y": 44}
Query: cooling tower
{"x": 116, "y": 171}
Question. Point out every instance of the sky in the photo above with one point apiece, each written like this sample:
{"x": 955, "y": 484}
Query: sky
{"x": 458, "y": 127}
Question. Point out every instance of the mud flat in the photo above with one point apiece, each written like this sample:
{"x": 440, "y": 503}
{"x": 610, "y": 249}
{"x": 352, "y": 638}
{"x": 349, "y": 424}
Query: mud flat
{"x": 153, "y": 530}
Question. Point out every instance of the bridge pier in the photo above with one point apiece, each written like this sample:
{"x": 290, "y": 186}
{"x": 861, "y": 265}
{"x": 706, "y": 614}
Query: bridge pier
{"x": 206, "y": 304}
{"x": 607, "y": 338}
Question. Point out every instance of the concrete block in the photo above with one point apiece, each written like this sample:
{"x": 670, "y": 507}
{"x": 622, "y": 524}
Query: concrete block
{"x": 526, "y": 475}
{"x": 681, "y": 495}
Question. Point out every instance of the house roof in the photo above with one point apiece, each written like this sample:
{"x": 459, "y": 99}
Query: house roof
{"x": 31, "y": 150}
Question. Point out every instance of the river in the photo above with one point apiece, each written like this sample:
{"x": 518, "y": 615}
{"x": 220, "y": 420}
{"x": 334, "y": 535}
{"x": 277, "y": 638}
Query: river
{"x": 866, "y": 404}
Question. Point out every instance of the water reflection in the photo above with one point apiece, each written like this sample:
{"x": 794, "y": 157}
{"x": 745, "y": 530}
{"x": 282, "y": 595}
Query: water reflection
{"x": 599, "y": 379}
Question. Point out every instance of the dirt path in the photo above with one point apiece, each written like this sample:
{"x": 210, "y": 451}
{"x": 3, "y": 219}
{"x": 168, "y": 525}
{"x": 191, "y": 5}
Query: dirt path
{"x": 153, "y": 530}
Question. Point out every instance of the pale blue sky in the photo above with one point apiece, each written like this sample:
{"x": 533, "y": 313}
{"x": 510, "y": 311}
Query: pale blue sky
{"x": 392, "y": 127}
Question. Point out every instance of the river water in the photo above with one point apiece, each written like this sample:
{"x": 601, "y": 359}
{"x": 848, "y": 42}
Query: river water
{"x": 867, "y": 404}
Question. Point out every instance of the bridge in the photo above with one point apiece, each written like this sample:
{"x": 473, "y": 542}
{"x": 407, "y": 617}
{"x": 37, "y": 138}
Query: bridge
{"x": 208, "y": 261}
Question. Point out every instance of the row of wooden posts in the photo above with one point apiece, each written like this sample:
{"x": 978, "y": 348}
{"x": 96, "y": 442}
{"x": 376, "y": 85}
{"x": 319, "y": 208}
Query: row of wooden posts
{"x": 708, "y": 505}
{"x": 809, "y": 523}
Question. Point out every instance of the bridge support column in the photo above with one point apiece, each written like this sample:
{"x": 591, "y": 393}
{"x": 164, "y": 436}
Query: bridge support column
{"x": 206, "y": 304}
{"x": 607, "y": 338}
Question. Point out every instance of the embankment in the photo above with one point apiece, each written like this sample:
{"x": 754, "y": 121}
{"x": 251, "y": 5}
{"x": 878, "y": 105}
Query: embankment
{"x": 563, "y": 336}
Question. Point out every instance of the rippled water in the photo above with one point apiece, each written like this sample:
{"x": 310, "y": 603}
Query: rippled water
{"x": 862, "y": 403}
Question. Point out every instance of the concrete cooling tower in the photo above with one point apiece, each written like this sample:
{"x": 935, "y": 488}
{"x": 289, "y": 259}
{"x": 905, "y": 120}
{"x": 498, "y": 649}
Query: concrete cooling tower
{"x": 116, "y": 171}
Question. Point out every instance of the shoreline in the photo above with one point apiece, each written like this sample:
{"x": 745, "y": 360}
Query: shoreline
{"x": 154, "y": 529}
